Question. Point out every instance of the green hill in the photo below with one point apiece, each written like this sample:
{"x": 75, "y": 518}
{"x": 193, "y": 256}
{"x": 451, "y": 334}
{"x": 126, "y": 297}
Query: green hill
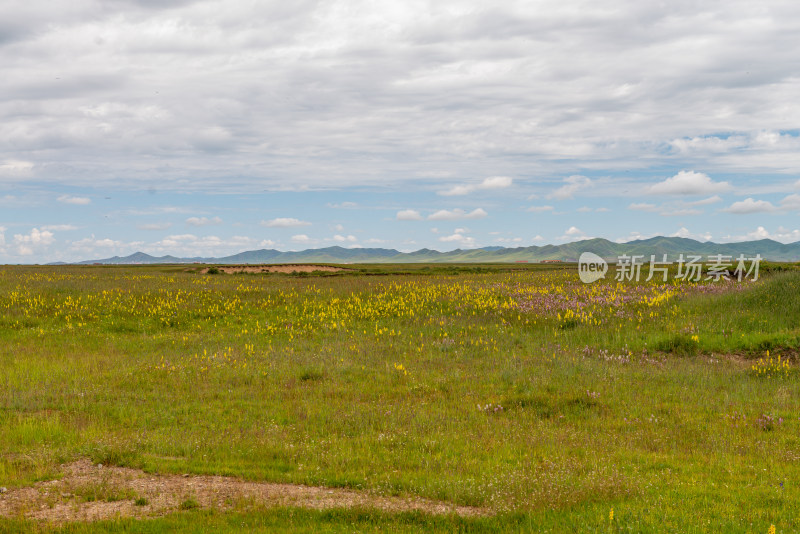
{"x": 568, "y": 252}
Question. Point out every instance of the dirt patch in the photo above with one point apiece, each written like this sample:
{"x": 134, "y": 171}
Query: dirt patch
{"x": 89, "y": 492}
{"x": 235, "y": 269}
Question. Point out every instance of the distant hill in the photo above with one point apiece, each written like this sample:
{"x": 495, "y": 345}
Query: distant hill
{"x": 769, "y": 250}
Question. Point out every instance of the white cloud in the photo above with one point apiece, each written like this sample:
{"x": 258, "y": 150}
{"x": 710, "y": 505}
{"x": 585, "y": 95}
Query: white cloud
{"x": 791, "y": 203}
{"x": 59, "y": 227}
{"x": 573, "y": 184}
{"x": 688, "y": 183}
{"x": 155, "y": 226}
{"x": 180, "y": 239}
{"x": 456, "y": 214}
{"x": 494, "y": 182}
{"x": 90, "y": 244}
{"x": 675, "y": 209}
{"x": 302, "y": 238}
{"x": 192, "y": 245}
{"x": 77, "y": 201}
{"x": 573, "y": 231}
{"x": 345, "y": 239}
{"x": 455, "y": 89}
{"x": 408, "y": 215}
{"x": 462, "y": 88}
{"x": 750, "y": 205}
{"x": 752, "y": 149}
{"x": 27, "y": 244}
{"x": 343, "y": 205}
{"x": 642, "y": 206}
{"x": 783, "y": 235}
{"x": 679, "y": 212}
{"x": 158, "y": 210}
{"x": 537, "y": 238}
{"x": 706, "y": 201}
{"x": 15, "y": 167}
{"x": 540, "y": 209}
{"x": 709, "y": 144}
{"x": 203, "y": 221}
{"x": 510, "y": 240}
{"x": 683, "y": 232}
{"x": 758, "y": 233}
{"x": 182, "y": 245}
{"x": 36, "y": 237}
{"x": 633, "y": 236}
{"x": 285, "y": 222}
{"x": 459, "y": 237}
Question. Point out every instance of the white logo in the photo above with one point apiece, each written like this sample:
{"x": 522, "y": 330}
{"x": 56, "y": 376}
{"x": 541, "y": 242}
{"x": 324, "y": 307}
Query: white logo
{"x": 591, "y": 267}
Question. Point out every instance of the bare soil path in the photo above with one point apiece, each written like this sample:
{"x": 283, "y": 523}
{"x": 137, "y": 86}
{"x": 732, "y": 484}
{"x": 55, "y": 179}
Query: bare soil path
{"x": 89, "y": 492}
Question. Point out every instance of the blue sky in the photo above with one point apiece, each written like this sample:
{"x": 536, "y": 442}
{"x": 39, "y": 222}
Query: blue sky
{"x": 208, "y": 128}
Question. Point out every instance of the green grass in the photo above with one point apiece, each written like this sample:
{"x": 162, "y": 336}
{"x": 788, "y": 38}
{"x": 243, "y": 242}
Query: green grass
{"x": 591, "y": 519}
{"x": 189, "y": 503}
{"x": 392, "y": 382}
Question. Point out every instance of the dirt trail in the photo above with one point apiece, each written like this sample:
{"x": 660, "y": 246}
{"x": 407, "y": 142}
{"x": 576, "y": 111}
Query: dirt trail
{"x": 89, "y": 492}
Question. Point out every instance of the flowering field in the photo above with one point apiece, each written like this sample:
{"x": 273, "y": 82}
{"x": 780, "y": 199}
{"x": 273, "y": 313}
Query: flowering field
{"x": 542, "y": 400}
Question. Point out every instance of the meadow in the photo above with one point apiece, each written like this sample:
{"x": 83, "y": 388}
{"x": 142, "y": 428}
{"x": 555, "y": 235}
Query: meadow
{"x": 553, "y": 405}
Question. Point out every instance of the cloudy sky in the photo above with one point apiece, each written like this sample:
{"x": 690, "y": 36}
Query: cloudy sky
{"x": 208, "y": 127}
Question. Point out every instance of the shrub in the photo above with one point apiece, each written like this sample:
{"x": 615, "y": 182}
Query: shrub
{"x": 190, "y": 503}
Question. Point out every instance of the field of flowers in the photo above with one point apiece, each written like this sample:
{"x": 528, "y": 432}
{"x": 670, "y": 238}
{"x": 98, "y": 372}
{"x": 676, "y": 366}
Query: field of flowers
{"x": 523, "y": 391}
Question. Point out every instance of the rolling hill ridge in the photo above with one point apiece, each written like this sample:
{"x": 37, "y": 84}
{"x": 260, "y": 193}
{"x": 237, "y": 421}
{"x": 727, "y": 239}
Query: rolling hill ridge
{"x": 568, "y": 252}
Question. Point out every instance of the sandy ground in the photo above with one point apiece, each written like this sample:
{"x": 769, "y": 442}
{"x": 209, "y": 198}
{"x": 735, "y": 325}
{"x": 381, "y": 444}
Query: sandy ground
{"x": 232, "y": 269}
{"x": 89, "y": 492}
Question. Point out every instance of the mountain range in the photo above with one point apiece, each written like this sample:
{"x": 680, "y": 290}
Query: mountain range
{"x": 568, "y": 252}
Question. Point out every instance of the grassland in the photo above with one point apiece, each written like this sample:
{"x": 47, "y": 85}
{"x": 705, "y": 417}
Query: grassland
{"x": 545, "y": 401}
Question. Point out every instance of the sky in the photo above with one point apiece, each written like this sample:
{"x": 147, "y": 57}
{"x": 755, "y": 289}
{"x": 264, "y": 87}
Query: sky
{"x": 207, "y": 128}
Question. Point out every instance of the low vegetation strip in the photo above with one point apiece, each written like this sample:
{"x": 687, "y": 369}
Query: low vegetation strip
{"x": 94, "y": 492}
{"x": 254, "y": 269}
